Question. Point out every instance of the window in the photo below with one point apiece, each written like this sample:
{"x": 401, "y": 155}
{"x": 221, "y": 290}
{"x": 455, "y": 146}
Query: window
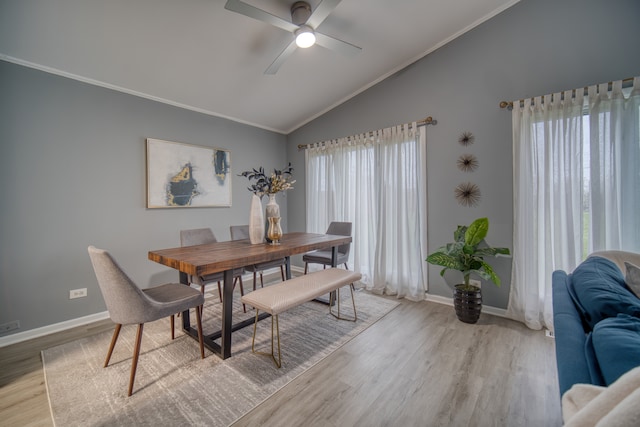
{"x": 576, "y": 187}
{"x": 378, "y": 183}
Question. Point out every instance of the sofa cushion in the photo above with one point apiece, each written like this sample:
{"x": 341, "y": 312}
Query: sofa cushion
{"x": 600, "y": 288}
{"x": 568, "y": 329}
{"x": 633, "y": 278}
{"x": 576, "y": 303}
{"x": 592, "y": 361}
{"x": 616, "y": 342}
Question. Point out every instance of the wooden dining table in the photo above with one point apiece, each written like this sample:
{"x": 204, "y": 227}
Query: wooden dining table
{"x": 201, "y": 260}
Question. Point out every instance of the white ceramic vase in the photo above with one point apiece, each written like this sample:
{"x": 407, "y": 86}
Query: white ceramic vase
{"x": 256, "y": 221}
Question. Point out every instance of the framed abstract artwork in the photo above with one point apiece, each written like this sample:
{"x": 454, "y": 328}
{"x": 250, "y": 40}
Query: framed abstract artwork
{"x": 187, "y": 176}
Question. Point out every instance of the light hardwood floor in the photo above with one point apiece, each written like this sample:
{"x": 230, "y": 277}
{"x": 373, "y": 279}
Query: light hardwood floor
{"x": 418, "y": 366}
{"x": 23, "y": 396}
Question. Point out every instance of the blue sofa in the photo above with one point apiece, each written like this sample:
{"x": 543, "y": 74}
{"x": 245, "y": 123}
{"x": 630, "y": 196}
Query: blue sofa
{"x": 596, "y": 318}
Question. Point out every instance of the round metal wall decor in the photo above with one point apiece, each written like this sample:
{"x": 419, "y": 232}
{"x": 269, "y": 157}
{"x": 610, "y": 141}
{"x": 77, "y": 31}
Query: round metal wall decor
{"x": 466, "y": 138}
{"x": 467, "y": 163}
{"x": 468, "y": 194}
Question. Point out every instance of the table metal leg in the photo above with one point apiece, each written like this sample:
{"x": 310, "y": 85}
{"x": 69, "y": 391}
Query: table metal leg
{"x": 186, "y": 321}
{"x": 332, "y": 295}
{"x": 209, "y": 339}
{"x": 334, "y": 264}
{"x": 227, "y": 315}
{"x": 287, "y": 267}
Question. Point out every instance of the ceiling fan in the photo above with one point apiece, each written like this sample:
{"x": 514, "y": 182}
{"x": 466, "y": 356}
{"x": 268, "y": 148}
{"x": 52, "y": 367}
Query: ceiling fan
{"x": 303, "y": 24}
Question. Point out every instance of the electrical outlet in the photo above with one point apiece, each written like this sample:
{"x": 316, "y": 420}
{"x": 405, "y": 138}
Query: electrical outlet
{"x": 474, "y": 282}
{"x": 77, "y": 293}
{"x": 9, "y": 326}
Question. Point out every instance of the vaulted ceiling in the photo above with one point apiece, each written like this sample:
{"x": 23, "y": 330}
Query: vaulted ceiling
{"x": 198, "y": 55}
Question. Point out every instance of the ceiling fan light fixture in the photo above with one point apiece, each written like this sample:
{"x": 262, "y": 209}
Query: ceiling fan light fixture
{"x": 305, "y": 37}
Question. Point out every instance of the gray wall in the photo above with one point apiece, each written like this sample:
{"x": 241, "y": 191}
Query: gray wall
{"x": 533, "y": 48}
{"x": 72, "y": 165}
{"x": 72, "y": 155}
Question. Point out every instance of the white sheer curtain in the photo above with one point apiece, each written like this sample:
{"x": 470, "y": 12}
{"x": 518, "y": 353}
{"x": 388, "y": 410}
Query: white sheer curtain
{"x": 575, "y": 173}
{"x": 376, "y": 181}
{"x": 615, "y": 168}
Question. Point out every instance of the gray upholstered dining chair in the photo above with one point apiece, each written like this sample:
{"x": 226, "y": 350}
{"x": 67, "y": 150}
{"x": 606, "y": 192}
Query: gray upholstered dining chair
{"x": 129, "y": 305}
{"x": 324, "y": 257}
{"x": 203, "y": 236}
{"x": 240, "y": 232}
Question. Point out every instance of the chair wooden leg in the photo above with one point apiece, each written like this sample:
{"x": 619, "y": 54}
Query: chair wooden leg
{"x": 200, "y": 338}
{"x": 219, "y": 292}
{"x": 202, "y": 290}
{"x": 134, "y": 361}
{"x": 173, "y": 327}
{"x": 254, "y": 280}
{"x": 306, "y": 267}
{"x": 346, "y": 265}
{"x": 261, "y": 280}
{"x": 244, "y": 307}
{"x": 114, "y": 338}
{"x": 282, "y": 272}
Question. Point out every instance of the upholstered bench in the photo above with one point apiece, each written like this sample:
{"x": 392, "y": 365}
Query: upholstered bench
{"x": 280, "y": 297}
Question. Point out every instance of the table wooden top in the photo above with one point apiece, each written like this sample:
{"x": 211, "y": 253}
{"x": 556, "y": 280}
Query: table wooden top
{"x": 200, "y": 260}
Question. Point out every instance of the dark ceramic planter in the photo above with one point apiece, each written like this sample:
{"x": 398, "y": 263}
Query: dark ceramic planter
{"x": 468, "y": 303}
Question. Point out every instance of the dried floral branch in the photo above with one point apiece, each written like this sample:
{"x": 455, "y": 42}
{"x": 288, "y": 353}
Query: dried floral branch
{"x": 279, "y": 180}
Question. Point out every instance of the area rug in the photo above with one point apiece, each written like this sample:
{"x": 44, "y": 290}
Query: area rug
{"x": 173, "y": 386}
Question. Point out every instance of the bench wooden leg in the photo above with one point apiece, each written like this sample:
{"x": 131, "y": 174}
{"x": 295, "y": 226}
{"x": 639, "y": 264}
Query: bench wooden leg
{"x": 353, "y": 302}
{"x": 277, "y": 361}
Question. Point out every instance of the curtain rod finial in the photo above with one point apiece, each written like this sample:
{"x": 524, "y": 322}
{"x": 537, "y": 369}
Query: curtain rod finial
{"x": 507, "y": 105}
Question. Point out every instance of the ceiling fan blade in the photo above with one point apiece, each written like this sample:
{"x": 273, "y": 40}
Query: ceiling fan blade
{"x": 275, "y": 65}
{"x": 322, "y": 11}
{"x": 343, "y": 47}
{"x": 259, "y": 14}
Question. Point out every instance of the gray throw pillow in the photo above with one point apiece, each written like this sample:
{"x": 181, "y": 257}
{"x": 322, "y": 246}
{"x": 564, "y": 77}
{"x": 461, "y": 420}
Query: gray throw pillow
{"x": 633, "y": 278}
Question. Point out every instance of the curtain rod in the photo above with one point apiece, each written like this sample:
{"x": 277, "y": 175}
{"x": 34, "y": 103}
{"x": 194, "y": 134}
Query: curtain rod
{"x": 424, "y": 122}
{"x": 625, "y": 84}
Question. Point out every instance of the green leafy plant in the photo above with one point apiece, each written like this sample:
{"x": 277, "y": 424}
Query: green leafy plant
{"x": 465, "y": 255}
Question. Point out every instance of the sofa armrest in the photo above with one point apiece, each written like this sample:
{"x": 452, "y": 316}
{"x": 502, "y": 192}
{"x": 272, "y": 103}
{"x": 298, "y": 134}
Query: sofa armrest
{"x": 570, "y": 337}
{"x": 619, "y": 257}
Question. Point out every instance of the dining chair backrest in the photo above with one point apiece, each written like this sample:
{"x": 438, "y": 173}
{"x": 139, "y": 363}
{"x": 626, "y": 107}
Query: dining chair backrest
{"x": 341, "y": 229}
{"x": 197, "y": 236}
{"x": 239, "y": 232}
{"x": 126, "y": 303}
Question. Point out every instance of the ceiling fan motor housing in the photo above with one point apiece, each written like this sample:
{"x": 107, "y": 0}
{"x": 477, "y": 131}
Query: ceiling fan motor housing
{"x": 300, "y": 12}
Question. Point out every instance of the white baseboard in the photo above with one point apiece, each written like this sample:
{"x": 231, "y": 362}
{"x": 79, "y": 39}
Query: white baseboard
{"x": 85, "y": 320}
{"x": 297, "y": 269}
{"x": 50, "y": 329}
{"x": 500, "y": 312}
{"x": 275, "y": 270}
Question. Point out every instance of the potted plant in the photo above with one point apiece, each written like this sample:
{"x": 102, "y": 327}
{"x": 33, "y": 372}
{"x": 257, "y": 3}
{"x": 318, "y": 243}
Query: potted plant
{"x": 466, "y": 256}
